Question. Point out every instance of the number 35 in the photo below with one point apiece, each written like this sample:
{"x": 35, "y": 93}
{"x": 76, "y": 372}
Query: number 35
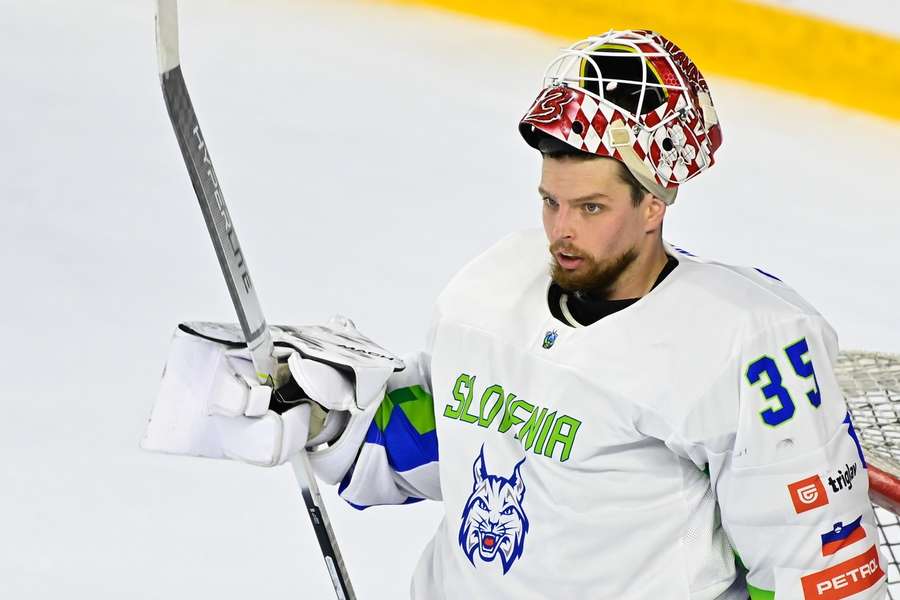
{"x": 782, "y": 408}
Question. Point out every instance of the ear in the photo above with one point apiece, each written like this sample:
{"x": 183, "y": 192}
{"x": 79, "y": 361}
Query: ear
{"x": 654, "y": 213}
{"x": 517, "y": 483}
{"x": 479, "y": 470}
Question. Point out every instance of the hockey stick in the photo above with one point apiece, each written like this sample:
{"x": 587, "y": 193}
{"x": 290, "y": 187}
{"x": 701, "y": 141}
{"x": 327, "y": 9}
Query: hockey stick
{"x": 234, "y": 266}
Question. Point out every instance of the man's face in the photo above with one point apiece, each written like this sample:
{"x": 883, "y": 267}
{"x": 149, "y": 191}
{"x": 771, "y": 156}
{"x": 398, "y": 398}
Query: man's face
{"x": 594, "y": 229}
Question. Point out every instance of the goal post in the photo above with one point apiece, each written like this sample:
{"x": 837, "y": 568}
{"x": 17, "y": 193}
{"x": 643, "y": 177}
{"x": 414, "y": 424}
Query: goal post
{"x": 871, "y": 385}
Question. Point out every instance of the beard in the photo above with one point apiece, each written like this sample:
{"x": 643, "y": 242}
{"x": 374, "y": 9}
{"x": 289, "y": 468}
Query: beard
{"x": 593, "y": 277}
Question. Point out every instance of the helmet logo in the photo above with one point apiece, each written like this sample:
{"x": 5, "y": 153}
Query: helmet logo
{"x": 549, "y": 106}
{"x": 550, "y": 339}
{"x": 678, "y": 153}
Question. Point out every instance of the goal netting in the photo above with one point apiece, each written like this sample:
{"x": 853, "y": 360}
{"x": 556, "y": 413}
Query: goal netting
{"x": 871, "y": 385}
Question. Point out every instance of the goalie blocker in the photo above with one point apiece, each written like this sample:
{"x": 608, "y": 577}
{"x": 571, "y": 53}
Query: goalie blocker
{"x": 330, "y": 381}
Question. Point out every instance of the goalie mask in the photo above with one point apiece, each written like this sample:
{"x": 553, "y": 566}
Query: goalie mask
{"x": 633, "y": 96}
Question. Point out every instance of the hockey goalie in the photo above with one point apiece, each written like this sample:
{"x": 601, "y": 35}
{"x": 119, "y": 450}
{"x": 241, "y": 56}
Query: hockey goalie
{"x": 602, "y": 414}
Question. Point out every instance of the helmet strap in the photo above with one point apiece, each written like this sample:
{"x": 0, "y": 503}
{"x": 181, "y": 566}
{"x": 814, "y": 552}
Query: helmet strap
{"x": 620, "y": 138}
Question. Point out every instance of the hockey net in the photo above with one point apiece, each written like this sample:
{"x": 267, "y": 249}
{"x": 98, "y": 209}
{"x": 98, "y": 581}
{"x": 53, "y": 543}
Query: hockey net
{"x": 871, "y": 385}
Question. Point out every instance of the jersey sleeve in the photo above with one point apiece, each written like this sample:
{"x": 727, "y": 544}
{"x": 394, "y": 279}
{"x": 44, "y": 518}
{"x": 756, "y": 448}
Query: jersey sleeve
{"x": 397, "y": 463}
{"x": 787, "y": 469}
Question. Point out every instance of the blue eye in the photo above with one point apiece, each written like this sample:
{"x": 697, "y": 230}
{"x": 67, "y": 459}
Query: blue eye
{"x": 508, "y": 510}
{"x": 482, "y": 504}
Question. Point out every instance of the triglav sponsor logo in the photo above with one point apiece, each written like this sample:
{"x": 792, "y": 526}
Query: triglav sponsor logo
{"x": 844, "y": 579}
{"x": 808, "y": 494}
{"x": 844, "y": 478}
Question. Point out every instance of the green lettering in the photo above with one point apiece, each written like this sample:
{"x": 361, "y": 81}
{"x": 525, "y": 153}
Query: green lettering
{"x": 510, "y": 418}
{"x": 538, "y": 429}
{"x": 530, "y": 429}
{"x": 494, "y": 390}
{"x": 566, "y": 438}
{"x": 464, "y": 415}
{"x": 504, "y": 421}
{"x": 463, "y": 380}
{"x": 539, "y": 447}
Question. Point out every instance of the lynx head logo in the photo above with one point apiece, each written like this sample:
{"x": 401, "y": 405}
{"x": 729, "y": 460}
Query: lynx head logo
{"x": 549, "y": 105}
{"x": 493, "y": 520}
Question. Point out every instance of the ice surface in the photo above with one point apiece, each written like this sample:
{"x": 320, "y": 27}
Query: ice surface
{"x": 367, "y": 152}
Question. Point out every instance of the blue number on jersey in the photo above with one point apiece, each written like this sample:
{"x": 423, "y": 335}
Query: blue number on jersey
{"x": 795, "y": 354}
{"x": 776, "y": 415}
{"x": 773, "y": 389}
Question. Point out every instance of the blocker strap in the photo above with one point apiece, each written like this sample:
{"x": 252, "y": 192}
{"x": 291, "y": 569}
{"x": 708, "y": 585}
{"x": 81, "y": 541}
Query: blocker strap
{"x": 286, "y": 397}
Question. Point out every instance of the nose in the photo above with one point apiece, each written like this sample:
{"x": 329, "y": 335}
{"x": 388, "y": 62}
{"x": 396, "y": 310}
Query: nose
{"x": 563, "y": 224}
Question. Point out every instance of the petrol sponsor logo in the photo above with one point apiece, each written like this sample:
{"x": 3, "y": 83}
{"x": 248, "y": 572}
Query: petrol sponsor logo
{"x": 844, "y": 478}
{"x": 842, "y": 536}
{"x": 808, "y": 494}
{"x": 844, "y": 579}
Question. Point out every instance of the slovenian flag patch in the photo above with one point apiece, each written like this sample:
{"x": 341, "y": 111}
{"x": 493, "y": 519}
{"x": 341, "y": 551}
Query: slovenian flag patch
{"x": 841, "y": 536}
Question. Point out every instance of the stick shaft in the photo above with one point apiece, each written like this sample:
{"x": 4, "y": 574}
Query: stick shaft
{"x": 234, "y": 267}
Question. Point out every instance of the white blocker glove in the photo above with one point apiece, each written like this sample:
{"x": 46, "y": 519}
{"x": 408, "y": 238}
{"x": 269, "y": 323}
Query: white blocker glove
{"x": 211, "y": 404}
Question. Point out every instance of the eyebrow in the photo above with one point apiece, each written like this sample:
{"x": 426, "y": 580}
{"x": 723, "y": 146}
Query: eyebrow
{"x": 580, "y": 199}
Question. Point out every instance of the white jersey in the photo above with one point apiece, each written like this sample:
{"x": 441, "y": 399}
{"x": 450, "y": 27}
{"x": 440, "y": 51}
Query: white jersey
{"x": 694, "y": 445}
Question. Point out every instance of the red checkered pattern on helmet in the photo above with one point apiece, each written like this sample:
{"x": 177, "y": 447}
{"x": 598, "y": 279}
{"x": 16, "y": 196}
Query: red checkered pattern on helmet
{"x": 679, "y": 124}
{"x": 652, "y": 119}
{"x": 655, "y": 152}
{"x": 639, "y": 150}
{"x": 603, "y": 116}
{"x": 702, "y": 143}
{"x": 685, "y": 155}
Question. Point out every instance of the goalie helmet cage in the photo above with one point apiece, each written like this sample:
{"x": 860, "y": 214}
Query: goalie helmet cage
{"x": 871, "y": 384}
